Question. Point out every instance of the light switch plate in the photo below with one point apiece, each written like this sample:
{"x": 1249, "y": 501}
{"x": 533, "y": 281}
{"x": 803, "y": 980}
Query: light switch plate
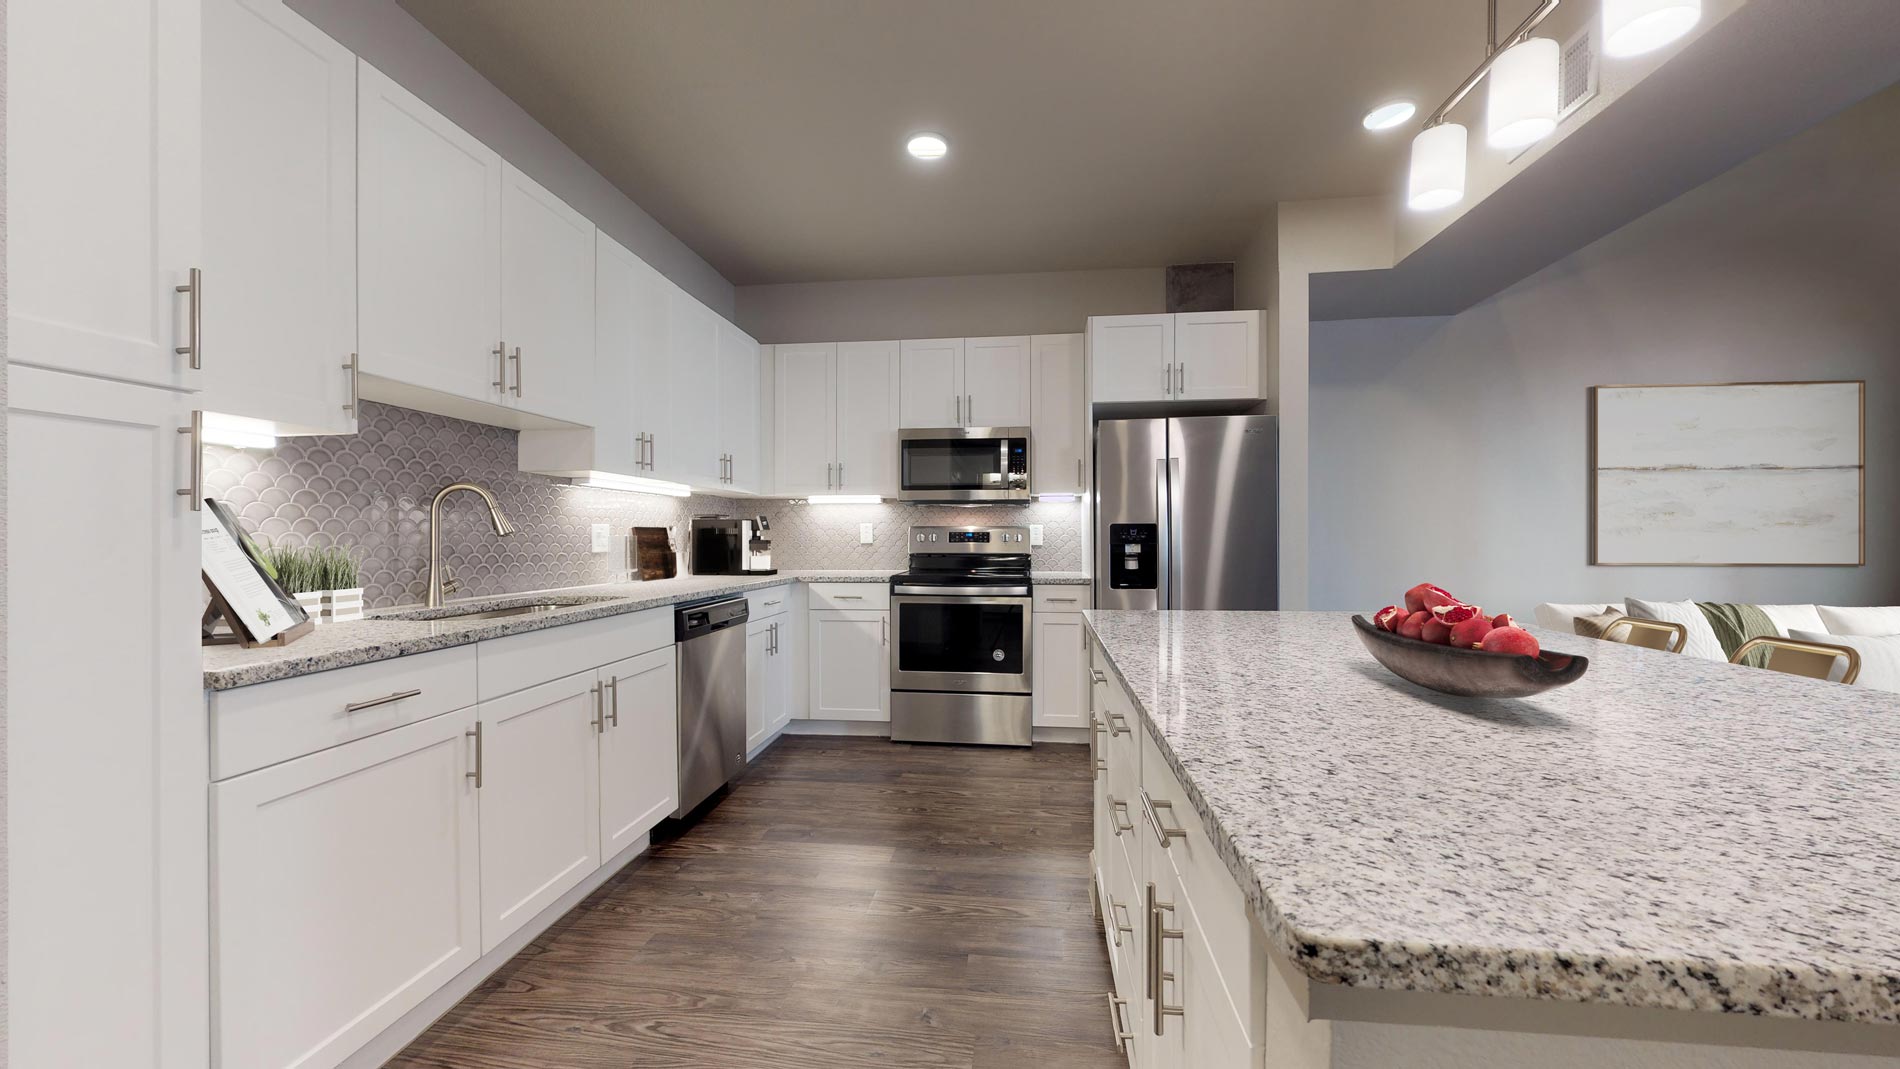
{"x": 1035, "y": 534}
{"x": 865, "y": 534}
{"x": 603, "y": 537}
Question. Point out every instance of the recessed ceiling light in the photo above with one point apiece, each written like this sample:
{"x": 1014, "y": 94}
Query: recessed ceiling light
{"x": 1633, "y": 27}
{"x": 1390, "y": 114}
{"x": 927, "y": 146}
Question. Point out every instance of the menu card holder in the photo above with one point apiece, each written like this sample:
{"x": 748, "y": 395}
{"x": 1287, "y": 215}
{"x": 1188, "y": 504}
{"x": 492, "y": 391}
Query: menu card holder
{"x": 219, "y": 612}
{"x": 244, "y": 593}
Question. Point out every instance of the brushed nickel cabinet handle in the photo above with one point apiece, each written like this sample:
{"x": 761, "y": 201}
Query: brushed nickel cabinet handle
{"x": 1117, "y": 1022}
{"x": 1119, "y": 922}
{"x": 1163, "y": 834}
{"x": 1180, "y": 378}
{"x": 1078, "y": 473}
{"x": 387, "y": 699}
{"x": 501, "y": 366}
{"x": 1154, "y": 961}
{"x": 1117, "y": 810}
{"x": 1095, "y": 748}
{"x": 1167, "y": 379}
{"x": 194, "y": 330}
{"x": 969, "y": 408}
{"x": 355, "y": 371}
{"x": 196, "y": 491}
{"x": 1159, "y": 977}
{"x": 600, "y": 708}
{"x": 1117, "y": 724}
{"x": 613, "y": 715}
{"x": 1067, "y": 601}
{"x": 516, "y": 357}
{"x": 849, "y": 597}
{"x": 884, "y": 630}
{"x": 841, "y": 475}
{"x": 477, "y": 774}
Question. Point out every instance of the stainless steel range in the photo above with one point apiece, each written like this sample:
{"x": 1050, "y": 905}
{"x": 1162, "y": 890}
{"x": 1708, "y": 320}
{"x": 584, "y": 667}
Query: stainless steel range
{"x": 960, "y": 662}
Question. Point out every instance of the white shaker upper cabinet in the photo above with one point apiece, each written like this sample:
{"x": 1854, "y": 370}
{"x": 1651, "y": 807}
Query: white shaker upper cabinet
{"x": 867, "y": 417}
{"x": 1133, "y": 357}
{"x": 996, "y": 374}
{"x": 1218, "y": 356}
{"x": 547, "y": 301}
{"x": 693, "y": 454}
{"x": 803, "y": 452}
{"x": 931, "y": 379}
{"x": 739, "y": 408}
{"x": 103, "y": 195}
{"x": 279, "y": 218}
{"x": 107, "y": 961}
{"x": 619, "y": 441}
{"x": 648, "y": 320}
{"x": 1058, "y": 422}
{"x": 429, "y": 247}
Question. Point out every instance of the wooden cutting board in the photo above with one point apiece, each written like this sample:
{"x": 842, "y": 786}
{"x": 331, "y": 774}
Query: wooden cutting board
{"x": 653, "y": 554}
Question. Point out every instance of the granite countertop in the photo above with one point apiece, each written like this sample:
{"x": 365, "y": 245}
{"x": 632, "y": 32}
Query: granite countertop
{"x": 379, "y": 638}
{"x": 1060, "y": 578}
{"x": 1666, "y": 832}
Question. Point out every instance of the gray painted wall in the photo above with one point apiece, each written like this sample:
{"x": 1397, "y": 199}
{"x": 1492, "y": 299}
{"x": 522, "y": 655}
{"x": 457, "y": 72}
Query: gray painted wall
{"x": 1455, "y": 449}
{"x": 957, "y": 306}
{"x": 396, "y": 44}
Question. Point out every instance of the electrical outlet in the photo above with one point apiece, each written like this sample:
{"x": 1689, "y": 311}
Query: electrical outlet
{"x": 1035, "y": 534}
{"x": 865, "y": 534}
{"x": 603, "y": 537}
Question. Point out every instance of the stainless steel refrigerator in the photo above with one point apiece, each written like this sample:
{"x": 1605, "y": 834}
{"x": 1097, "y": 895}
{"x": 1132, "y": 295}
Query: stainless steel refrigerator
{"x": 1187, "y": 513}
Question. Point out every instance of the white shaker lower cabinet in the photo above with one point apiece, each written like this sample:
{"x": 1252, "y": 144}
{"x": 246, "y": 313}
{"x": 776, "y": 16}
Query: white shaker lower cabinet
{"x": 1060, "y": 657}
{"x": 348, "y": 886}
{"x": 539, "y": 776}
{"x": 850, "y": 664}
{"x": 639, "y": 774}
{"x": 758, "y": 684}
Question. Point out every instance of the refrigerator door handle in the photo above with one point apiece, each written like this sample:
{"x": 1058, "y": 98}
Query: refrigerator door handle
{"x": 1164, "y": 536}
{"x": 1177, "y": 521}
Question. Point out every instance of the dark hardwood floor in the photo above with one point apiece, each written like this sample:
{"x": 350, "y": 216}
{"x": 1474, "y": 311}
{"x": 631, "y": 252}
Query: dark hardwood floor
{"x": 852, "y": 902}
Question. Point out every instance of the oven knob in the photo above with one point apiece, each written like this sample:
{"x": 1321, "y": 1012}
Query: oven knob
{"x": 996, "y": 655}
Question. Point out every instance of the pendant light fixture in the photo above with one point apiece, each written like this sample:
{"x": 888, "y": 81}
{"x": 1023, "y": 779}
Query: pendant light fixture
{"x": 1518, "y": 113}
{"x": 1521, "y": 102}
{"x": 1633, "y": 27}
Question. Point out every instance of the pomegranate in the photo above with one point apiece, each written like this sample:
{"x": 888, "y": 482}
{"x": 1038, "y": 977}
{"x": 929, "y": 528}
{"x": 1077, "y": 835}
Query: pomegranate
{"x": 1510, "y": 640}
{"x": 1388, "y": 618}
{"x": 1426, "y": 596}
{"x": 1467, "y": 634}
{"x": 1410, "y": 626}
{"x": 1503, "y": 619}
{"x": 1456, "y": 613}
{"x": 1435, "y": 631}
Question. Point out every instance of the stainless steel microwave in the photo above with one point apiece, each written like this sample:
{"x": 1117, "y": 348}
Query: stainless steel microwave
{"x": 963, "y": 464}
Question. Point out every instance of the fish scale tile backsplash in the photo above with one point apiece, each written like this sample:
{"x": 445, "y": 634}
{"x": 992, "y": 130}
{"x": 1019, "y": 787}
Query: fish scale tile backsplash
{"x": 371, "y": 491}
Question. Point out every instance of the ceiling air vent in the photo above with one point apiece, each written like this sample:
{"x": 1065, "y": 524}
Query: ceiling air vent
{"x": 1577, "y": 71}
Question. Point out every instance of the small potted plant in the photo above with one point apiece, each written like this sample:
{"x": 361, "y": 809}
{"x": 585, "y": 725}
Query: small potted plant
{"x": 295, "y": 569}
{"x": 342, "y": 590}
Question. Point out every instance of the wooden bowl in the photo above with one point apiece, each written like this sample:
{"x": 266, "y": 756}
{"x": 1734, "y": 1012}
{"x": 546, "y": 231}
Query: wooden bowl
{"x": 1471, "y": 673}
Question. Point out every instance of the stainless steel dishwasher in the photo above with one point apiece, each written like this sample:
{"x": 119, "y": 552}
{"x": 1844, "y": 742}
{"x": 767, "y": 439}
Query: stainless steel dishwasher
{"x": 710, "y": 639}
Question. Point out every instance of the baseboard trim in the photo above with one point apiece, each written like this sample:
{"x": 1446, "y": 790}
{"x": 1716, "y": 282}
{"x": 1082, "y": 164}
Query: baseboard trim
{"x": 875, "y": 728}
{"x": 1078, "y": 736}
{"x": 390, "y": 1041}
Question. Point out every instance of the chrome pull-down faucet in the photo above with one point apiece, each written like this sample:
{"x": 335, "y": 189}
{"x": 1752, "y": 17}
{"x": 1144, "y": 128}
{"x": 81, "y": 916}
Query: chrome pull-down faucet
{"x": 440, "y": 582}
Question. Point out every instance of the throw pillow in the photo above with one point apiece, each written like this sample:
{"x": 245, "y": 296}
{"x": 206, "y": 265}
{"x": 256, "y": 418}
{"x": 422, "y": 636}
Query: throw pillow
{"x": 1860, "y": 620}
{"x": 1791, "y": 618}
{"x": 1595, "y": 626}
{"x": 1735, "y": 624}
{"x": 1701, "y": 640}
{"x": 1879, "y": 657}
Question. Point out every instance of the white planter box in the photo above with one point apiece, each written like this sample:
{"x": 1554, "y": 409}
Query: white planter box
{"x": 341, "y": 605}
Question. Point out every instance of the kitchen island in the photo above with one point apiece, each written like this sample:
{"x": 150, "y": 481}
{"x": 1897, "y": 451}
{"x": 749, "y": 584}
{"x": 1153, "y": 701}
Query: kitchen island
{"x": 1667, "y": 861}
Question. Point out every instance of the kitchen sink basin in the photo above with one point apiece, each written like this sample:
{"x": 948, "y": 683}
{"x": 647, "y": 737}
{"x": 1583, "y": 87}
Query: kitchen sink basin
{"x": 480, "y": 611}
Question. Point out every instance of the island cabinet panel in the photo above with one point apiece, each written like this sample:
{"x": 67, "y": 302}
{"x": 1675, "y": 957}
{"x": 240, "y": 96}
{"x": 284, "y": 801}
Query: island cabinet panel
{"x": 1061, "y": 671}
{"x": 540, "y": 786}
{"x": 346, "y": 887}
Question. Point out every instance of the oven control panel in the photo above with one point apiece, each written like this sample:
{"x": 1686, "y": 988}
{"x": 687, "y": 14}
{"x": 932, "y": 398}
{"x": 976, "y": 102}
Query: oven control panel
{"x": 969, "y": 539}
{"x": 1133, "y": 556}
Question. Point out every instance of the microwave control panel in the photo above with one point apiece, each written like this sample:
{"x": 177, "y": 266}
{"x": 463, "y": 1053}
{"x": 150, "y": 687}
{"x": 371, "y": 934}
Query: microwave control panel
{"x": 1133, "y": 556}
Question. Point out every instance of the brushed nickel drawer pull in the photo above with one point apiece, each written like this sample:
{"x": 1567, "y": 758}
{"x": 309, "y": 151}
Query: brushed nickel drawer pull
{"x": 1159, "y": 933}
{"x": 1096, "y": 674}
{"x": 1165, "y": 835}
{"x": 194, "y": 347}
{"x": 1120, "y": 923}
{"x": 600, "y": 708}
{"x": 387, "y": 699}
{"x": 501, "y": 366}
{"x": 1117, "y": 723}
{"x": 355, "y": 373}
{"x": 1070, "y": 601}
{"x": 516, "y": 357}
{"x": 849, "y": 597}
{"x": 1117, "y": 810}
{"x": 613, "y": 716}
{"x": 196, "y": 491}
{"x": 1117, "y": 1022}
{"x": 477, "y": 774}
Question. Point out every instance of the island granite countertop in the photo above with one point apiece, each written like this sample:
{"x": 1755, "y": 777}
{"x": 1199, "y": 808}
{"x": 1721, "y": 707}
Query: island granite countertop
{"x": 380, "y": 637}
{"x": 1666, "y": 832}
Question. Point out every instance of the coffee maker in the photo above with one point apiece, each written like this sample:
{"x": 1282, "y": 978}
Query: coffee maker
{"x": 725, "y": 545}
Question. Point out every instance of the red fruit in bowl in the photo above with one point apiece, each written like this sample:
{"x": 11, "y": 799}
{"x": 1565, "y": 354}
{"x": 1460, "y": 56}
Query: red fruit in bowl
{"x": 1503, "y": 619}
{"x": 1455, "y": 613}
{"x": 1468, "y": 633}
{"x": 1426, "y": 596}
{"x": 1389, "y": 618}
{"x": 1435, "y": 631}
{"x": 1409, "y": 627}
{"x": 1510, "y": 640}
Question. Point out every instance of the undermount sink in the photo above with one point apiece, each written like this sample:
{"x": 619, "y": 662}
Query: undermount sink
{"x": 476, "y": 610}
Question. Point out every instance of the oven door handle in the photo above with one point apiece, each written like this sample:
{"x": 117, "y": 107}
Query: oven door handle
{"x": 981, "y": 594}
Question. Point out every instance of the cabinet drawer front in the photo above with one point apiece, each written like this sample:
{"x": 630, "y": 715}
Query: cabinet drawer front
{"x": 252, "y": 727}
{"x": 345, "y": 890}
{"x": 768, "y": 602}
{"x": 1062, "y": 598}
{"x": 1234, "y": 978}
{"x": 510, "y": 664}
{"x": 850, "y": 595}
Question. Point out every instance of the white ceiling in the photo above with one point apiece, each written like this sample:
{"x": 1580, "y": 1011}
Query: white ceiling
{"x": 768, "y": 134}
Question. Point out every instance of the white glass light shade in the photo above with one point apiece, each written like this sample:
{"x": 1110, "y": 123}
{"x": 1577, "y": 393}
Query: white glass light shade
{"x": 1522, "y": 104}
{"x": 1438, "y": 168}
{"x": 927, "y": 146}
{"x": 1632, "y": 27}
